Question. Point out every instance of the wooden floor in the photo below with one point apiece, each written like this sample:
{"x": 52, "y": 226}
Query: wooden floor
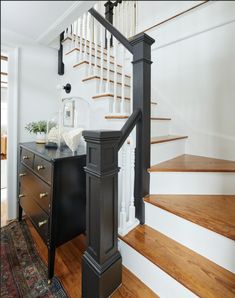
{"x": 214, "y": 212}
{"x": 68, "y": 269}
{"x": 198, "y": 274}
{"x": 193, "y": 163}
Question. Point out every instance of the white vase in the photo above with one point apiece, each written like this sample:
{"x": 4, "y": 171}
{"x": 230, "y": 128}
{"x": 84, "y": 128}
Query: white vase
{"x": 41, "y": 138}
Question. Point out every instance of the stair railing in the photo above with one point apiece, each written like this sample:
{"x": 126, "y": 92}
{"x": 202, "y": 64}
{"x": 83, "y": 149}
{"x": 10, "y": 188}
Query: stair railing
{"x": 101, "y": 262}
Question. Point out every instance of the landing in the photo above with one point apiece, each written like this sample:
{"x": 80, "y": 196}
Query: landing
{"x": 68, "y": 269}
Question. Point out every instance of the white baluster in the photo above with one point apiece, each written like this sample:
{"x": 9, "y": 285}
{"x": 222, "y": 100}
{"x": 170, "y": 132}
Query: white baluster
{"x": 85, "y": 36}
{"x": 123, "y": 198}
{"x": 102, "y": 34}
{"x": 132, "y": 220}
{"x": 96, "y": 47}
{"x": 91, "y": 43}
{"x": 123, "y": 82}
{"x": 81, "y": 39}
{"x": 108, "y": 62}
{"x": 77, "y": 33}
{"x": 115, "y": 77}
{"x": 72, "y": 36}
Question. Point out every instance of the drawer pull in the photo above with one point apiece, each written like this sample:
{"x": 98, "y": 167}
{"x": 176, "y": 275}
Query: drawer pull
{"x": 25, "y": 157}
{"x": 40, "y": 167}
{"x": 21, "y": 195}
{"x": 22, "y": 174}
{"x": 43, "y": 195}
{"x": 41, "y": 223}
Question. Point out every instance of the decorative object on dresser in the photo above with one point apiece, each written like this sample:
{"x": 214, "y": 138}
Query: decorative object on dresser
{"x": 39, "y": 128}
{"x": 52, "y": 193}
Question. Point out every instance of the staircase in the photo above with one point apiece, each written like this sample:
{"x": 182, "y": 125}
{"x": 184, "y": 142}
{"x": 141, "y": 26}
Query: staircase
{"x": 186, "y": 247}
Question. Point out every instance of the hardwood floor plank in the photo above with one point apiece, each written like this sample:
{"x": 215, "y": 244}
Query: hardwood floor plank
{"x": 198, "y": 274}
{"x": 68, "y": 269}
{"x": 194, "y": 163}
{"x": 213, "y": 212}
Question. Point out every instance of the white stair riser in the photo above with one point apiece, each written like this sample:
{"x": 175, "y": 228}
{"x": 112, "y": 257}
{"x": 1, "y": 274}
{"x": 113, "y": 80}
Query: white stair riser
{"x": 209, "y": 244}
{"x": 95, "y": 84}
{"x": 159, "y": 127}
{"x": 156, "y": 279}
{"x": 167, "y": 150}
{"x": 192, "y": 183}
{"x": 74, "y": 58}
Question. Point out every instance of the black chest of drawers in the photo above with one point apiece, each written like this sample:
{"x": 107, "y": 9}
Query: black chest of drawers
{"x": 52, "y": 193}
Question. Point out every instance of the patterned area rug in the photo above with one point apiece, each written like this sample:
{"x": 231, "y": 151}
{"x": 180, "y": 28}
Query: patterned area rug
{"x": 23, "y": 273}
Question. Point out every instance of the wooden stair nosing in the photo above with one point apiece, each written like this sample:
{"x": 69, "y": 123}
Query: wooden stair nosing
{"x": 112, "y": 95}
{"x": 104, "y": 79}
{"x": 127, "y": 116}
{"x": 87, "y": 53}
{"x": 87, "y": 62}
{"x": 194, "y": 163}
{"x": 198, "y": 209}
{"x": 195, "y": 272}
{"x": 167, "y": 138}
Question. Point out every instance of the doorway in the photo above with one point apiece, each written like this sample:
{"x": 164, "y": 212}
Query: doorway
{"x": 4, "y": 137}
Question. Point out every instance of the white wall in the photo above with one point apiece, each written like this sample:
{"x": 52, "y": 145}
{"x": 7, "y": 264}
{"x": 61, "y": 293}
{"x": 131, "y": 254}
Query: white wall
{"x": 193, "y": 72}
{"x": 3, "y": 110}
{"x": 38, "y": 96}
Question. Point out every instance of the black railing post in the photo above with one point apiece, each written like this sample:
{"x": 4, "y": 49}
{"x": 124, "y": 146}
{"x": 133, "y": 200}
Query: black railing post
{"x": 142, "y": 100}
{"x": 109, "y": 17}
{"x": 101, "y": 262}
{"x": 60, "y": 56}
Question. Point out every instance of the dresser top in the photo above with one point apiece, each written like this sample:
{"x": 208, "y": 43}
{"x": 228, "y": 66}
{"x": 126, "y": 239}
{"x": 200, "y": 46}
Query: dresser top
{"x": 53, "y": 154}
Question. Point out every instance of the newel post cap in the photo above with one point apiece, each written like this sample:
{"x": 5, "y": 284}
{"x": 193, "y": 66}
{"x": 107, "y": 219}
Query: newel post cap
{"x": 140, "y": 38}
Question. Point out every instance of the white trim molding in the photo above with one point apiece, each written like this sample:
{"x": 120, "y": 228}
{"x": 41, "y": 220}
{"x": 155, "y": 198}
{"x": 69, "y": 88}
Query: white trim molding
{"x": 12, "y": 127}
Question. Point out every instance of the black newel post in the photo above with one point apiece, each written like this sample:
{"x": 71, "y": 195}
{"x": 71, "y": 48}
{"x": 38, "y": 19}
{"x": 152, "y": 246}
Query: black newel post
{"x": 142, "y": 100}
{"x": 60, "y": 56}
{"x": 109, "y": 17}
{"x": 101, "y": 262}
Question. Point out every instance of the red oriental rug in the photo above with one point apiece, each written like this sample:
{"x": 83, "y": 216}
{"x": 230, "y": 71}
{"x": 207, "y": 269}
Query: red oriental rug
{"x": 23, "y": 273}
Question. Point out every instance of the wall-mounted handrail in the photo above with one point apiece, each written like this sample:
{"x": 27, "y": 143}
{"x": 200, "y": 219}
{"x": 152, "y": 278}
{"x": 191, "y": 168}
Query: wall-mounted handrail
{"x": 128, "y": 126}
{"x": 117, "y": 34}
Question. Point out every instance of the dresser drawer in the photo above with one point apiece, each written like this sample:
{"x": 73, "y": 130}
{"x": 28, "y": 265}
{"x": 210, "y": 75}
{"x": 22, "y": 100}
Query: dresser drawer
{"x": 38, "y": 189}
{"x": 43, "y": 168}
{"x": 27, "y": 157}
{"x": 38, "y": 217}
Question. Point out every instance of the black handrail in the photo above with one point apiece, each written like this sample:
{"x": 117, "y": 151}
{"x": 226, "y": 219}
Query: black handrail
{"x": 128, "y": 126}
{"x": 117, "y": 34}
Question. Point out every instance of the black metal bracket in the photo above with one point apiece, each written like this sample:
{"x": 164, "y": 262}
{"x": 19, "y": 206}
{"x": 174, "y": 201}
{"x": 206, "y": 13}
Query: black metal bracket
{"x": 67, "y": 88}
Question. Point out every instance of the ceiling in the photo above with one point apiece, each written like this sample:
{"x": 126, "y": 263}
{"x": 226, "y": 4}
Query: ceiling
{"x": 31, "y": 19}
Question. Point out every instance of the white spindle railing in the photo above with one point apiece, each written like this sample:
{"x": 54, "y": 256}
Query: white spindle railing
{"x": 108, "y": 63}
{"x": 102, "y": 34}
{"x": 88, "y": 36}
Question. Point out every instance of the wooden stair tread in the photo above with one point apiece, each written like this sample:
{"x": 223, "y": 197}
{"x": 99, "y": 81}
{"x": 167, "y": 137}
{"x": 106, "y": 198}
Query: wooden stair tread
{"x": 104, "y": 79}
{"x": 112, "y": 95}
{"x": 213, "y": 212}
{"x": 198, "y": 274}
{"x": 167, "y": 138}
{"x": 105, "y": 68}
{"x": 126, "y": 116}
{"x": 194, "y": 163}
{"x": 68, "y": 269}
